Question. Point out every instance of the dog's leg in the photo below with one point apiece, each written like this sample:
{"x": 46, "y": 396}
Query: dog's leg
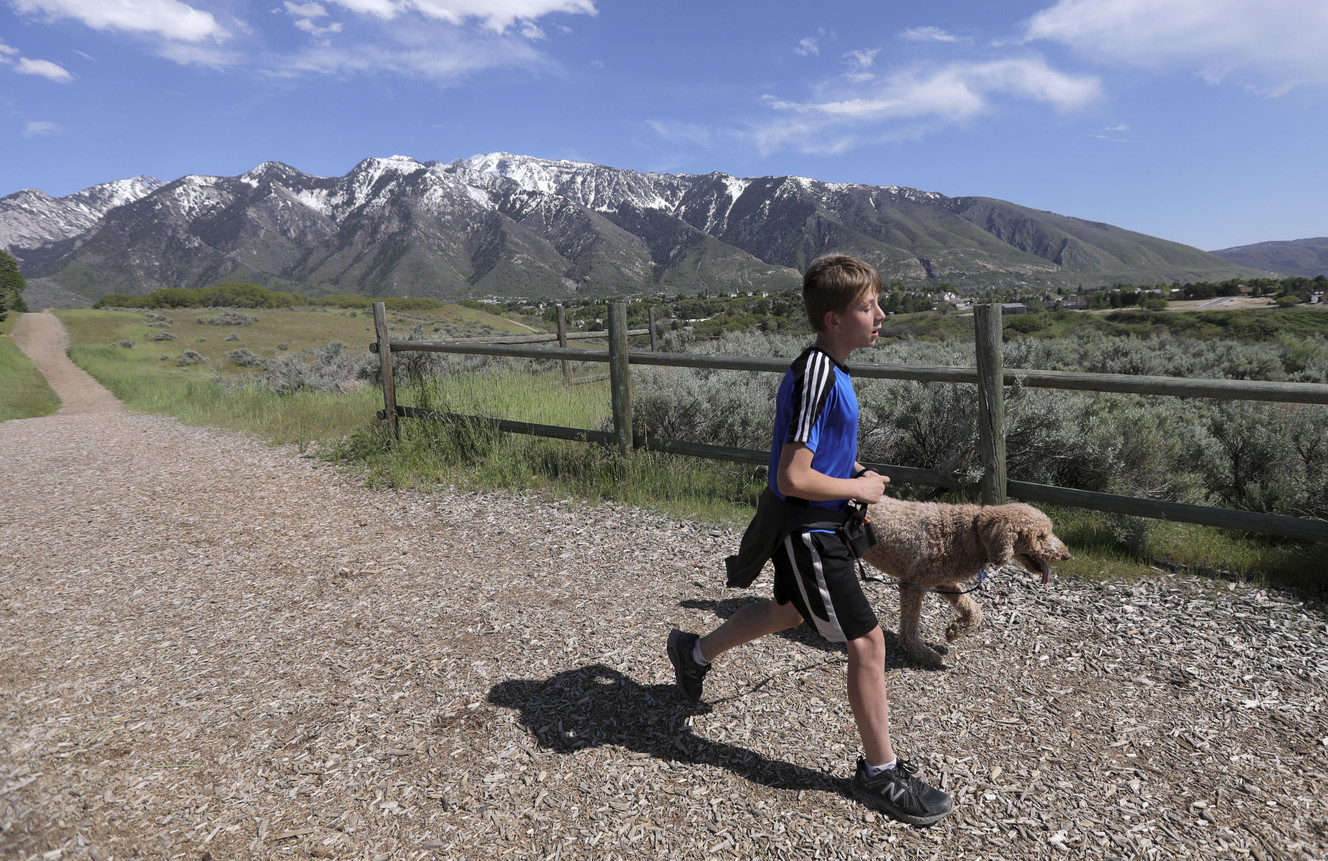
{"x": 970, "y": 617}
{"x": 910, "y": 620}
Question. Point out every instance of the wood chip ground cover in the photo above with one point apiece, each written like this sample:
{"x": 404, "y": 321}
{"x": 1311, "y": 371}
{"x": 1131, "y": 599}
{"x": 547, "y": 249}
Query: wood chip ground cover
{"x": 214, "y": 649}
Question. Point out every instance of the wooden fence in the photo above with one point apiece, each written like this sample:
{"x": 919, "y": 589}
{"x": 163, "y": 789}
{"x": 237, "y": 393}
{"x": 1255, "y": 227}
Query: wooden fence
{"x": 990, "y": 376}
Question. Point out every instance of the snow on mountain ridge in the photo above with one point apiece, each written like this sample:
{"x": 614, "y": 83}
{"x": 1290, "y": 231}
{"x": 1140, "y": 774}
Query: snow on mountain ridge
{"x": 30, "y": 218}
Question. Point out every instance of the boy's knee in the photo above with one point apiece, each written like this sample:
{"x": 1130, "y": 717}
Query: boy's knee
{"x": 869, "y": 648}
{"x": 784, "y": 615}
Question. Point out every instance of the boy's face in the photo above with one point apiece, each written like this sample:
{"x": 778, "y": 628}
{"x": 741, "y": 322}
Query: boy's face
{"x": 859, "y": 324}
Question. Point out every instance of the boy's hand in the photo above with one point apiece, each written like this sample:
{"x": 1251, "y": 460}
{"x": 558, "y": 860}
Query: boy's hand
{"x": 870, "y": 487}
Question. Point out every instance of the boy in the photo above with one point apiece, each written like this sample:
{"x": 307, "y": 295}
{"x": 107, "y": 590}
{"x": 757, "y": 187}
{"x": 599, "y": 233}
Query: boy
{"x": 813, "y": 474}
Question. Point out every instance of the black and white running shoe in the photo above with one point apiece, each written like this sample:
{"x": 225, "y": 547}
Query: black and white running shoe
{"x": 897, "y": 793}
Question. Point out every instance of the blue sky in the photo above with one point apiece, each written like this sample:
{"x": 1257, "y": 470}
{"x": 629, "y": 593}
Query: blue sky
{"x": 1201, "y": 121}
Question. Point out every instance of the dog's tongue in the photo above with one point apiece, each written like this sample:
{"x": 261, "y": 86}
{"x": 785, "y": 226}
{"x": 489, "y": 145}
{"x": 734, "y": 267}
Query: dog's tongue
{"x": 1046, "y": 573}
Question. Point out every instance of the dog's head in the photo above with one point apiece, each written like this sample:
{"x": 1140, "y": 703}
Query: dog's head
{"x": 1020, "y": 533}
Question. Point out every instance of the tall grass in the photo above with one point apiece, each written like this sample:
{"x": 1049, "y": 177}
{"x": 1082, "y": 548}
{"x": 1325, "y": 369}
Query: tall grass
{"x": 1115, "y": 547}
{"x": 431, "y": 453}
{"x": 24, "y": 393}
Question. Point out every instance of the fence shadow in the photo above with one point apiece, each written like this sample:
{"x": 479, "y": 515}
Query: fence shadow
{"x": 804, "y": 634}
{"x": 598, "y": 705}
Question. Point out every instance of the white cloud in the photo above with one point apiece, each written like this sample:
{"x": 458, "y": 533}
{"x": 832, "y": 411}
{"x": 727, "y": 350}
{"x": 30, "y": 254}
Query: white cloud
{"x": 6, "y": 51}
{"x": 34, "y": 129}
{"x": 440, "y": 40}
{"x": 928, "y": 34}
{"x": 308, "y": 26}
{"x": 953, "y": 93}
{"x": 305, "y": 10}
{"x": 1282, "y": 39}
{"x": 811, "y": 45}
{"x": 1115, "y": 134}
{"x": 497, "y": 15}
{"x": 861, "y": 59}
{"x": 859, "y": 66}
{"x": 381, "y": 8}
{"x": 168, "y": 18}
{"x": 905, "y": 105}
{"x": 43, "y": 69}
{"x": 440, "y": 54}
{"x": 306, "y": 16}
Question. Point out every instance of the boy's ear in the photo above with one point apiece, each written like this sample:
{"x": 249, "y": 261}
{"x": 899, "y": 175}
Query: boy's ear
{"x": 831, "y": 321}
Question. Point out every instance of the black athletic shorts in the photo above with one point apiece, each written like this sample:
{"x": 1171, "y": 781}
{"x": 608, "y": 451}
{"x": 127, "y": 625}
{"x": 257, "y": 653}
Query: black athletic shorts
{"x": 815, "y": 572}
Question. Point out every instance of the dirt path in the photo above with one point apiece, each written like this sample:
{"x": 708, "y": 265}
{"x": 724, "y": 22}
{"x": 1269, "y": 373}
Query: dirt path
{"x": 45, "y": 340}
{"x": 212, "y": 648}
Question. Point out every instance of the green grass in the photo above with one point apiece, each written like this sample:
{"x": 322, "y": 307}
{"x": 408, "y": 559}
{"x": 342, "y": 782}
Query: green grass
{"x": 1130, "y": 548}
{"x": 432, "y": 453}
{"x": 1253, "y": 325}
{"x": 147, "y": 376}
{"x": 24, "y": 393}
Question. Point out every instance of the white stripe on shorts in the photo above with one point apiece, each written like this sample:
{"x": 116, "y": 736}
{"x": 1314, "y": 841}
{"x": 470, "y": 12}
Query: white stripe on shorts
{"x": 828, "y": 627}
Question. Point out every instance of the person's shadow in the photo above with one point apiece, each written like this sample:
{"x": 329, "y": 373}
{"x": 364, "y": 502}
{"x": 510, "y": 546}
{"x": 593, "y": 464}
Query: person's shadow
{"x": 596, "y": 704}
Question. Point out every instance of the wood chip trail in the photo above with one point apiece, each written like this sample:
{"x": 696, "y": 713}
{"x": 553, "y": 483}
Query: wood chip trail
{"x": 212, "y": 648}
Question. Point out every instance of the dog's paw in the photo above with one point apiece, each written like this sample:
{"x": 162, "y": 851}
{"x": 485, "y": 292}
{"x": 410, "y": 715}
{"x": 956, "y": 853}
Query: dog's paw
{"x": 965, "y": 624}
{"x": 956, "y": 630}
{"x": 927, "y": 657}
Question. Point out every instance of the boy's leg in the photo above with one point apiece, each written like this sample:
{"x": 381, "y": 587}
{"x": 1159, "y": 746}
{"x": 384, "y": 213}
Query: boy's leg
{"x": 867, "y": 697}
{"x": 751, "y": 622}
{"x": 894, "y": 791}
{"x": 820, "y": 578}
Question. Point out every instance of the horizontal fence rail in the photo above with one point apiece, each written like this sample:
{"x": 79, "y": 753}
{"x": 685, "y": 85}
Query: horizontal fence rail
{"x": 994, "y": 486}
{"x": 1231, "y": 390}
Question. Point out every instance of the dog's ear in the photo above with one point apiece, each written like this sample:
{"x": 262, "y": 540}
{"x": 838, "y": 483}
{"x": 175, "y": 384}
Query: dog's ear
{"x": 998, "y": 536}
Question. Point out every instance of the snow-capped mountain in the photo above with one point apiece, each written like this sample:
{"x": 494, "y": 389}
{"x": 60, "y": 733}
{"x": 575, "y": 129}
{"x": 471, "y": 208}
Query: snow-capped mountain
{"x": 30, "y": 219}
{"x": 503, "y": 224}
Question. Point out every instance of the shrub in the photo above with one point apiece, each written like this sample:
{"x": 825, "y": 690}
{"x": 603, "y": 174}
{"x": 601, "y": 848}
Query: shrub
{"x": 328, "y": 369}
{"x": 246, "y": 358}
{"x": 162, "y": 336}
{"x": 190, "y": 357}
{"x": 228, "y": 318}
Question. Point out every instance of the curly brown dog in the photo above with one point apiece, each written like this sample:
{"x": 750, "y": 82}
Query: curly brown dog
{"x": 934, "y": 545}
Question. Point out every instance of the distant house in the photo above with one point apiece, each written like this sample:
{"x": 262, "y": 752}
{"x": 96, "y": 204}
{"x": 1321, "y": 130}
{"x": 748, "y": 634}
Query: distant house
{"x": 1013, "y": 308}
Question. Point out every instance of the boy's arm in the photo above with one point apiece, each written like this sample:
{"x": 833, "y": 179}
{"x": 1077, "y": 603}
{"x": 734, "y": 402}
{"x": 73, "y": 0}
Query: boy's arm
{"x": 797, "y": 478}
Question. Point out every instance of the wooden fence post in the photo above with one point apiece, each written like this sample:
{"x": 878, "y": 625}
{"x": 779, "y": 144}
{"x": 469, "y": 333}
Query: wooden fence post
{"x": 991, "y": 403}
{"x": 562, "y": 342}
{"x": 652, "y": 322}
{"x": 385, "y": 369}
{"x": 620, "y": 379}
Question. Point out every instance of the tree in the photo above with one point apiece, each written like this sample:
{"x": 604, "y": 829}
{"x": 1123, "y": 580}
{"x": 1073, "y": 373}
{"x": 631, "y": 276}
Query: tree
{"x": 11, "y": 286}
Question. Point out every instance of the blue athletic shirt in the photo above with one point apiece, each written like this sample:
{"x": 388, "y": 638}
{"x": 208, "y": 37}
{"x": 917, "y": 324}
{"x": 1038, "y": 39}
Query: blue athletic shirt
{"x": 816, "y": 406}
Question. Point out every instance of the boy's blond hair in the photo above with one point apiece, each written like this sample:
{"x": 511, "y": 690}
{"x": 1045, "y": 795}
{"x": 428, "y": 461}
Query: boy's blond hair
{"x": 834, "y": 282}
